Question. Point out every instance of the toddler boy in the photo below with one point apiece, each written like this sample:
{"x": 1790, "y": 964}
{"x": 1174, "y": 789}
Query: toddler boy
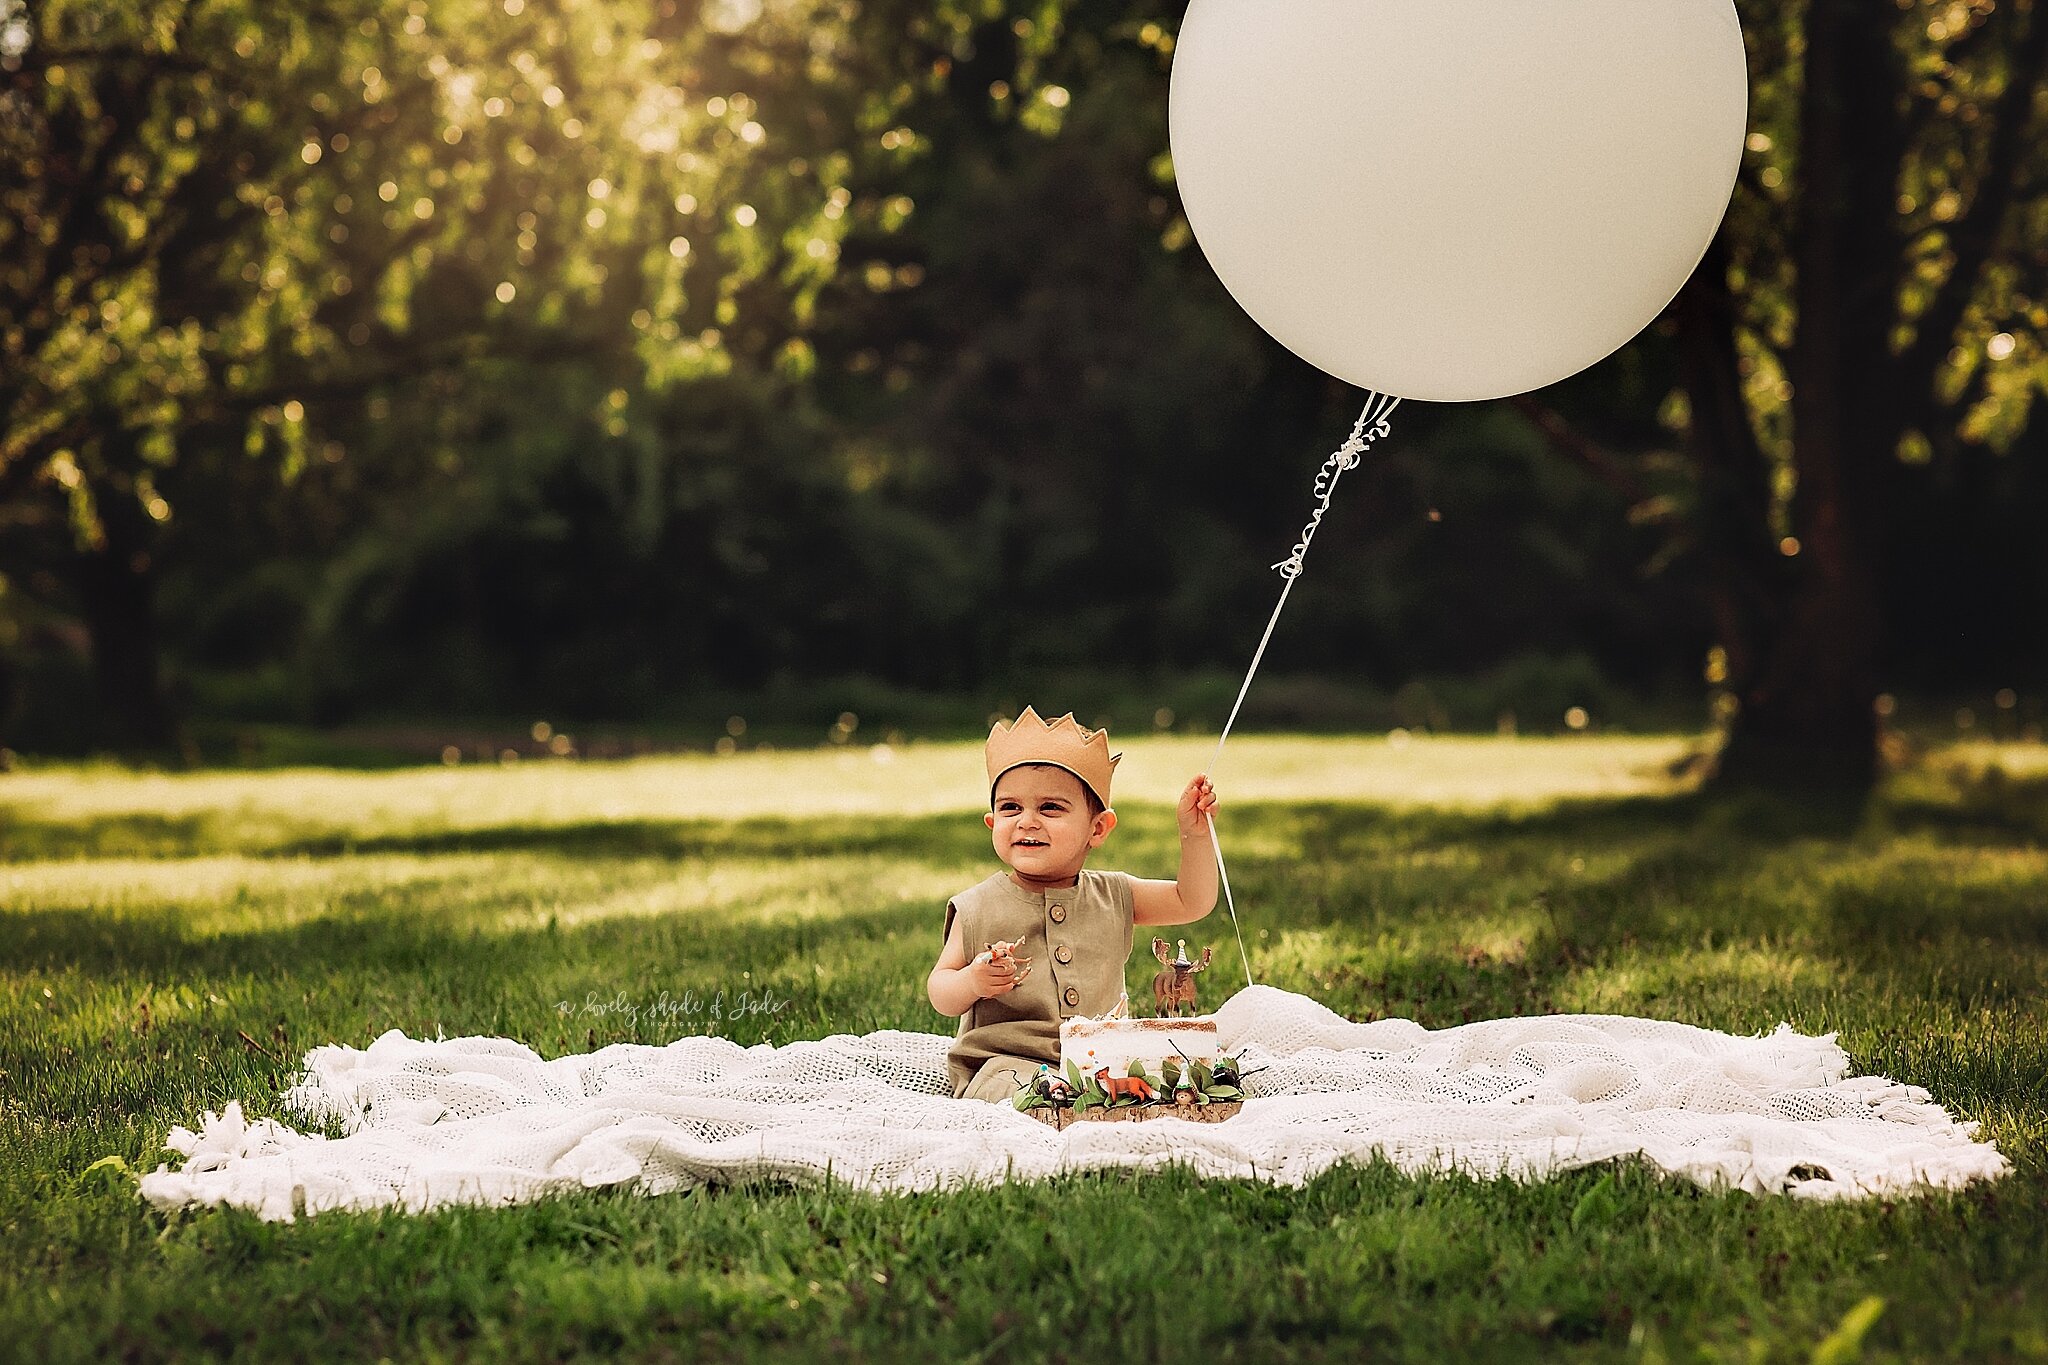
{"x": 1049, "y": 938}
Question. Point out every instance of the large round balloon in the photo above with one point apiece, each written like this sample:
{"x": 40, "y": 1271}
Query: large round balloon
{"x": 1456, "y": 199}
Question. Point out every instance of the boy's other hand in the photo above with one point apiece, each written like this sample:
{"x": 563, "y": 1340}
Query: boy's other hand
{"x": 1197, "y": 804}
{"x": 998, "y": 970}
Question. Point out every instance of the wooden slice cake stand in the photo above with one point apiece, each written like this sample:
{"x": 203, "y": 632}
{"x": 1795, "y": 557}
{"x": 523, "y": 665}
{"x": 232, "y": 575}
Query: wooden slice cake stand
{"x": 1216, "y": 1111}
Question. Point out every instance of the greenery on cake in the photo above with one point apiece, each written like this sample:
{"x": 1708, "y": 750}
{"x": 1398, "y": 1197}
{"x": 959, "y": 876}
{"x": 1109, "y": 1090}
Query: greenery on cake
{"x": 1209, "y": 1083}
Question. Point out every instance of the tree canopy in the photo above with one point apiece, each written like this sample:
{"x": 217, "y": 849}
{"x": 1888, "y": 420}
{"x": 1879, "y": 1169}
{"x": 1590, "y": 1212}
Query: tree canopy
{"x": 443, "y": 352}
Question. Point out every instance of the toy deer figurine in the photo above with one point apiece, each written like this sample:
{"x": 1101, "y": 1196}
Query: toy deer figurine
{"x": 1175, "y": 986}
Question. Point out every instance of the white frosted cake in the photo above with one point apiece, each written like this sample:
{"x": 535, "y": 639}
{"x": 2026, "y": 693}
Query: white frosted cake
{"x": 1091, "y": 1044}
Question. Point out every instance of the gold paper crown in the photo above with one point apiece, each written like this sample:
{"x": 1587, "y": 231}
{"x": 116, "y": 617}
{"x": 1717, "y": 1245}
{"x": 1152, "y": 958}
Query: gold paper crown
{"x": 1062, "y": 743}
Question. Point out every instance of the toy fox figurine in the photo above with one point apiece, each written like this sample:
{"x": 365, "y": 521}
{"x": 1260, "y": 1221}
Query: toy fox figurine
{"x": 1116, "y": 1087}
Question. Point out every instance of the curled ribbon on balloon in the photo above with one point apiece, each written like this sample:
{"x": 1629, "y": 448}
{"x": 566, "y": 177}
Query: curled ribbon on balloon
{"x": 1372, "y": 424}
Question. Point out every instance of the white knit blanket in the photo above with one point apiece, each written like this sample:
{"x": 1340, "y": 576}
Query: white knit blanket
{"x": 488, "y": 1121}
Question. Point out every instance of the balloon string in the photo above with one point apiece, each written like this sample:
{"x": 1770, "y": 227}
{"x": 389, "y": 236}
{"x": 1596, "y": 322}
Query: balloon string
{"x": 1373, "y": 423}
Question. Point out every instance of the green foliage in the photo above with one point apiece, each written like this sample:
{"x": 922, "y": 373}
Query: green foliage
{"x": 1597, "y": 1207}
{"x": 314, "y": 235}
{"x": 477, "y": 284}
{"x": 429, "y": 352}
{"x": 1845, "y": 1343}
{"x": 226, "y": 211}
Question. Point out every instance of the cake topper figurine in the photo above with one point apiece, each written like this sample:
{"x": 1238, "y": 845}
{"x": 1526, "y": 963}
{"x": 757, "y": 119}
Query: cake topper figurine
{"x": 1114, "y": 1088}
{"x": 1051, "y": 1085}
{"x": 1175, "y": 986}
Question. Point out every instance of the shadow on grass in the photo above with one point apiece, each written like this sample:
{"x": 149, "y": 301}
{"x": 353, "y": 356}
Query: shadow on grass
{"x": 1323, "y": 827}
{"x": 934, "y": 837}
{"x": 362, "y": 931}
{"x": 1691, "y": 849}
{"x": 1681, "y": 871}
{"x": 379, "y": 929}
{"x": 1988, "y": 807}
{"x": 26, "y": 838}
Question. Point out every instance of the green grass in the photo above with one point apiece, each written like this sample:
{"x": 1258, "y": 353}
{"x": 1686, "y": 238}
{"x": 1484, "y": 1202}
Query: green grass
{"x": 148, "y": 922}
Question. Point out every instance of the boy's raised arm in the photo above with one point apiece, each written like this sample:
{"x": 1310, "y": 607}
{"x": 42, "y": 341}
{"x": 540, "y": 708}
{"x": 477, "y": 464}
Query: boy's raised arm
{"x": 1193, "y": 894}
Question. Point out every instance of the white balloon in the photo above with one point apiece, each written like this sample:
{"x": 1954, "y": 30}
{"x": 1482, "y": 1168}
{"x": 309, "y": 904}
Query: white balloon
{"x": 1456, "y": 199}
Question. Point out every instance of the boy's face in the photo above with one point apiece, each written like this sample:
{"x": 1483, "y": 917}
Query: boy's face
{"x": 1041, "y": 822}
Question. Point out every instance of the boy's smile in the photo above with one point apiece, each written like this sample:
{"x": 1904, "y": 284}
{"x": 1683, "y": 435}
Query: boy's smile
{"x": 1042, "y": 826}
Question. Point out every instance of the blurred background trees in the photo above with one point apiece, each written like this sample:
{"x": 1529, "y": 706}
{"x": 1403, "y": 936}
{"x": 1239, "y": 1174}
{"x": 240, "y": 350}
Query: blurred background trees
{"x": 371, "y": 357}
{"x": 1861, "y": 355}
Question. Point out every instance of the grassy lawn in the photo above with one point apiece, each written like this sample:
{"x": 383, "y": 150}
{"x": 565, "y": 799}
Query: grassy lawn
{"x": 169, "y": 943}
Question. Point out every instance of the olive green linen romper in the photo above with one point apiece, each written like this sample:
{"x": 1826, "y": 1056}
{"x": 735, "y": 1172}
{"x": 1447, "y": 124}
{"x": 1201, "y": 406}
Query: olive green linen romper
{"x": 1078, "y": 939}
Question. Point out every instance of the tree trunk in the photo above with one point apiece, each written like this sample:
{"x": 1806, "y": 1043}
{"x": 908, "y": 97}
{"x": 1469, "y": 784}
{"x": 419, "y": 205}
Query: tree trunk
{"x": 1745, "y": 575}
{"x": 117, "y": 592}
{"x": 1806, "y": 713}
{"x": 1805, "y": 673}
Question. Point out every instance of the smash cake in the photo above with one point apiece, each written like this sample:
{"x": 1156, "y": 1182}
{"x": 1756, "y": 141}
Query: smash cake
{"x": 1116, "y": 1041}
{"x": 1115, "y": 1067}
{"x": 1089, "y": 1045}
